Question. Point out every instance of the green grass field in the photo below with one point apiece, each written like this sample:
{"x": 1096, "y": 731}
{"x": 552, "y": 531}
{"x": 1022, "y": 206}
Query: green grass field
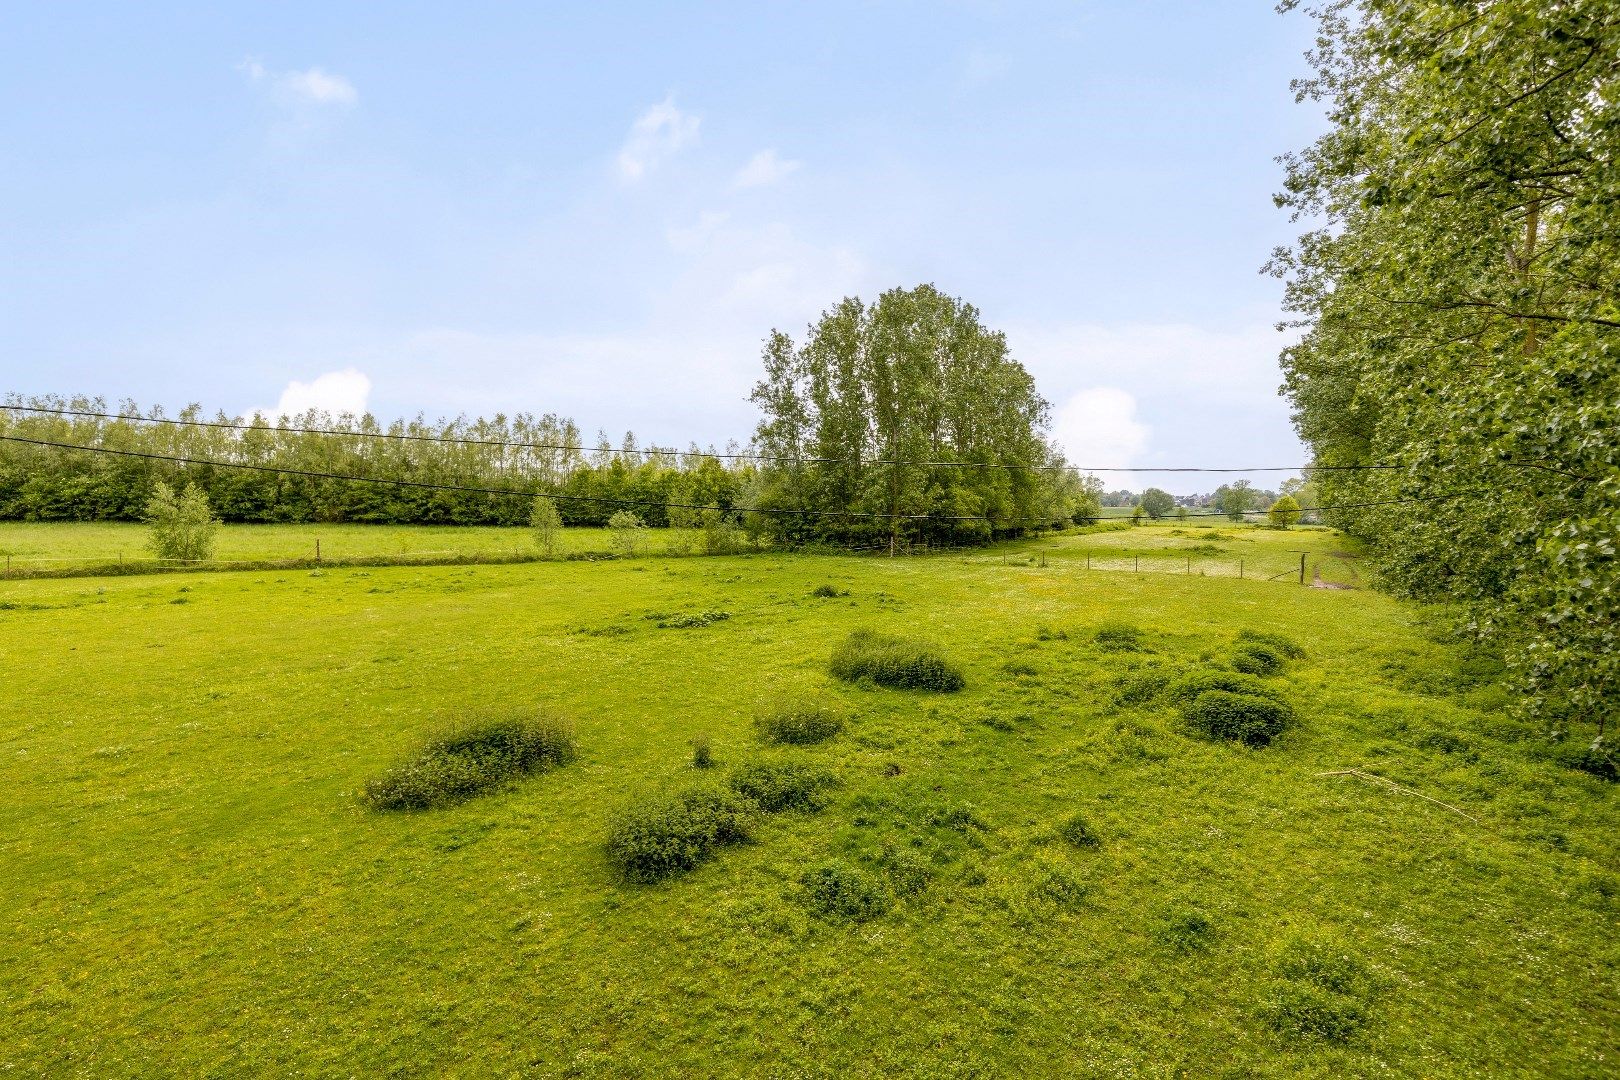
{"x": 193, "y": 886}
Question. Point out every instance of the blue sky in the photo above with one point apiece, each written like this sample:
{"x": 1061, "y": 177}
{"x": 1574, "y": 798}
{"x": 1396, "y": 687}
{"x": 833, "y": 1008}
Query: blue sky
{"x": 600, "y": 210}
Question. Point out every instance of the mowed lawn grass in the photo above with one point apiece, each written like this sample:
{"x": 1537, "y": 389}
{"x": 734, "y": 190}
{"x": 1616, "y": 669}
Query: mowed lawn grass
{"x": 194, "y": 887}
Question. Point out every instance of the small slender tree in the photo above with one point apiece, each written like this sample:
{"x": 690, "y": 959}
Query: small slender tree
{"x": 182, "y": 526}
{"x": 1284, "y": 512}
{"x": 547, "y": 526}
{"x": 627, "y": 532}
{"x": 1157, "y": 502}
{"x": 1236, "y": 500}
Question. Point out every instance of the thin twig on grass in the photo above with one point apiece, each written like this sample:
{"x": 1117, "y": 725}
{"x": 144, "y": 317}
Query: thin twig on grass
{"x": 1387, "y": 782}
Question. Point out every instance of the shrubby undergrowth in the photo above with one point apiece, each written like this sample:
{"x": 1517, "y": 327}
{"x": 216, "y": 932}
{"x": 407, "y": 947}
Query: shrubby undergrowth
{"x": 472, "y": 760}
{"x": 894, "y": 662}
{"x": 799, "y": 724}
{"x": 673, "y": 833}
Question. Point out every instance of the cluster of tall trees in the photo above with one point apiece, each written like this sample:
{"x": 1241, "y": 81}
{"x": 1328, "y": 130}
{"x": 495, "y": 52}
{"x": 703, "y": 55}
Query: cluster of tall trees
{"x": 519, "y": 454}
{"x": 860, "y": 417}
{"x": 1460, "y": 293}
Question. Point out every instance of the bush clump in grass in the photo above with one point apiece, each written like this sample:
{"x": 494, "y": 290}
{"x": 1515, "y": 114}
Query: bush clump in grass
{"x": 693, "y": 620}
{"x": 1279, "y": 643}
{"x": 841, "y": 891}
{"x": 1078, "y": 831}
{"x": 1244, "y": 718}
{"x": 1322, "y": 994}
{"x": 473, "y": 760}
{"x": 1184, "y": 930}
{"x": 828, "y": 591}
{"x": 774, "y": 786}
{"x": 1117, "y": 636}
{"x": 799, "y": 725}
{"x": 702, "y": 752}
{"x": 894, "y": 662}
{"x": 908, "y": 870}
{"x": 1140, "y": 687}
{"x": 1190, "y": 687}
{"x": 1255, "y": 659}
{"x": 673, "y": 833}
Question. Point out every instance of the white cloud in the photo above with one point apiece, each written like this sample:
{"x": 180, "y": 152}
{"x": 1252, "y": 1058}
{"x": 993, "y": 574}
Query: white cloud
{"x": 657, "y": 135}
{"x": 1098, "y": 428}
{"x": 762, "y": 170}
{"x": 311, "y": 87}
{"x": 343, "y": 391}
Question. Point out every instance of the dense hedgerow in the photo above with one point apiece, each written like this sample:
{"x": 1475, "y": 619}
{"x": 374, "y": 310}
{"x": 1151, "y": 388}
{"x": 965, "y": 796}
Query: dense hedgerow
{"x": 843, "y": 891}
{"x": 1282, "y": 644}
{"x": 799, "y": 725}
{"x": 894, "y": 662}
{"x": 1118, "y": 637}
{"x": 670, "y": 834}
{"x": 774, "y": 786}
{"x": 473, "y": 760}
{"x": 1256, "y": 659}
{"x": 1244, "y": 718}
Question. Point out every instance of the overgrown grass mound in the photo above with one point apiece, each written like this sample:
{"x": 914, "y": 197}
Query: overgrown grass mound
{"x": 1078, "y": 831}
{"x": 670, "y": 834}
{"x": 894, "y": 662}
{"x": 842, "y": 891}
{"x": 1118, "y": 636}
{"x": 1281, "y": 644}
{"x": 473, "y": 760}
{"x": 1191, "y": 686}
{"x": 774, "y": 786}
{"x": 799, "y": 725}
{"x": 1257, "y": 659}
{"x": 828, "y": 591}
{"x": 1244, "y": 718}
{"x": 1323, "y": 993}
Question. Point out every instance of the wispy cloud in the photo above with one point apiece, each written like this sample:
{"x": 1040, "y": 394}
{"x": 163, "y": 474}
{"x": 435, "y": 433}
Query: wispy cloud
{"x": 763, "y": 169}
{"x": 657, "y": 135}
{"x": 310, "y": 87}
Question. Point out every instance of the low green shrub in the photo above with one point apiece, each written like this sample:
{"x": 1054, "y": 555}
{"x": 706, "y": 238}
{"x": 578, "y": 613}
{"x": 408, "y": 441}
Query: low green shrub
{"x": 702, "y": 752}
{"x": 828, "y": 591}
{"x": 908, "y": 870}
{"x": 1244, "y": 718}
{"x": 1184, "y": 929}
{"x": 841, "y": 891}
{"x": 1078, "y": 831}
{"x": 774, "y": 786}
{"x": 1593, "y": 760}
{"x": 1257, "y": 659}
{"x": 799, "y": 724}
{"x": 1279, "y": 643}
{"x": 1118, "y": 636}
{"x": 473, "y": 760}
{"x": 1194, "y": 684}
{"x": 672, "y": 833}
{"x": 1302, "y": 1011}
{"x": 1140, "y": 687}
{"x": 894, "y": 662}
{"x": 694, "y": 619}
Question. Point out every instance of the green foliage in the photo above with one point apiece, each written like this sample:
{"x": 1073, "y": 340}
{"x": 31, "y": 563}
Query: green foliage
{"x": 897, "y": 663}
{"x": 546, "y": 524}
{"x": 473, "y": 760}
{"x": 1184, "y": 929}
{"x": 799, "y": 724}
{"x": 672, "y": 833}
{"x": 1256, "y": 659}
{"x": 1322, "y": 994}
{"x": 1118, "y": 636}
{"x": 1284, "y": 512}
{"x": 876, "y": 388}
{"x": 775, "y": 786}
{"x": 181, "y": 526}
{"x": 908, "y": 871}
{"x": 1078, "y": 831}
{"x": 1457, "y": 285}
{"x": 841, "y": 891}
{"x": 1281, "y": 644}
{"x": 1190, "y": 686}
{"x": 1156, "y": 503}
{"x": 691, "y": 620}
{"x": 1245, "y": 718}
{"x": 702, "y": 752}
{"x": 627, "y": 529}
{"x": 828, "y": 591}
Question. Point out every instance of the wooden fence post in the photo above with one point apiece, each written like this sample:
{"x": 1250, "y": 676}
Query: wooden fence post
{"x": 1302, "y": 568}
{"x": 1240, "y": 569}
{"x": 317, "y": 549}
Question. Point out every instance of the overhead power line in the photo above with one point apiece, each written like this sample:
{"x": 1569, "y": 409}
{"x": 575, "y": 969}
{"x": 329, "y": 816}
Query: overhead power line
{"x": 463, "y": 440}
{"x": 557, "y": 497}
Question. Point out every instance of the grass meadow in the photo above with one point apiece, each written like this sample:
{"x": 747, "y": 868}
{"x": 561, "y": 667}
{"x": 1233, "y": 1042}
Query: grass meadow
{"x": 1046, "y": 873}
